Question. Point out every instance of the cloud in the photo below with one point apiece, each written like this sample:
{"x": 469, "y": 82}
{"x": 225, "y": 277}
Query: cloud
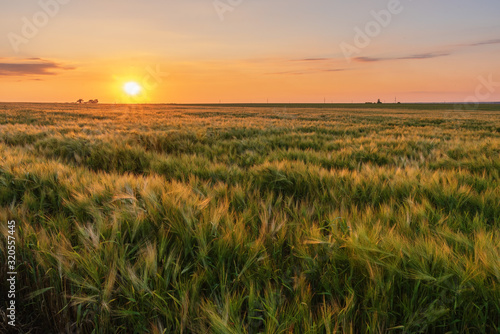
{"x": 309, "y": 71}
{"x": 370, "y": 59}
{"x": 428, "y": 55}
{"x": 488, "y": 42}
{"x": 419, "y": 56}
{"x": 29, "y": 67}
{"x": 313, "y": 59}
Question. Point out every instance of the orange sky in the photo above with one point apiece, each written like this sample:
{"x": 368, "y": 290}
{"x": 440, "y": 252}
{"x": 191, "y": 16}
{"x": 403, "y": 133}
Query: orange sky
{"x": 281, "y": 51}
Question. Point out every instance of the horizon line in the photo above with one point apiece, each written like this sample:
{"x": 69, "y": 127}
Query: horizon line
{"x": 250, "y": 103}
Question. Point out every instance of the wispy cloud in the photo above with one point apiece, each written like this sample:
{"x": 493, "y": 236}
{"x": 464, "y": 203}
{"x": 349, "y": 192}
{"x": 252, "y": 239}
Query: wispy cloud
{"x": 409, "y": 57}
{"x": 487, "y": 42}
{"x": 313, "y": 59}
{"x": 429, "y": 55}
{"x": 426, "y": 55}
{"x": 30, "y": 67}
{"x": 308, "y": 71}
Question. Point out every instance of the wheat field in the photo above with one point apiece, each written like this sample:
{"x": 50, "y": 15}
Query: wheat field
{"x": 252, "y": 218}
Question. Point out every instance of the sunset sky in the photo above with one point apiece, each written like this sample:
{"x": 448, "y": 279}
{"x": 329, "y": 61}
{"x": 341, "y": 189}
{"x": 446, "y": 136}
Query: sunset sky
{"x": 205, "y": 51}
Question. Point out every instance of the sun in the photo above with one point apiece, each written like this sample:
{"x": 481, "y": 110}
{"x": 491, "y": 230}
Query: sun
{"x": 132, "y": 88}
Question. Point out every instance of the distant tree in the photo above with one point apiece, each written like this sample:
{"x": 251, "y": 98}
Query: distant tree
{"x": 379, "y": 102}
{"x": 80, "y": 101}
{"x": 93, "y": 101}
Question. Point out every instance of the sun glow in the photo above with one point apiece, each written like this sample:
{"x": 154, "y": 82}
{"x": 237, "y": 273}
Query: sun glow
{"x": 132, "y": 88}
